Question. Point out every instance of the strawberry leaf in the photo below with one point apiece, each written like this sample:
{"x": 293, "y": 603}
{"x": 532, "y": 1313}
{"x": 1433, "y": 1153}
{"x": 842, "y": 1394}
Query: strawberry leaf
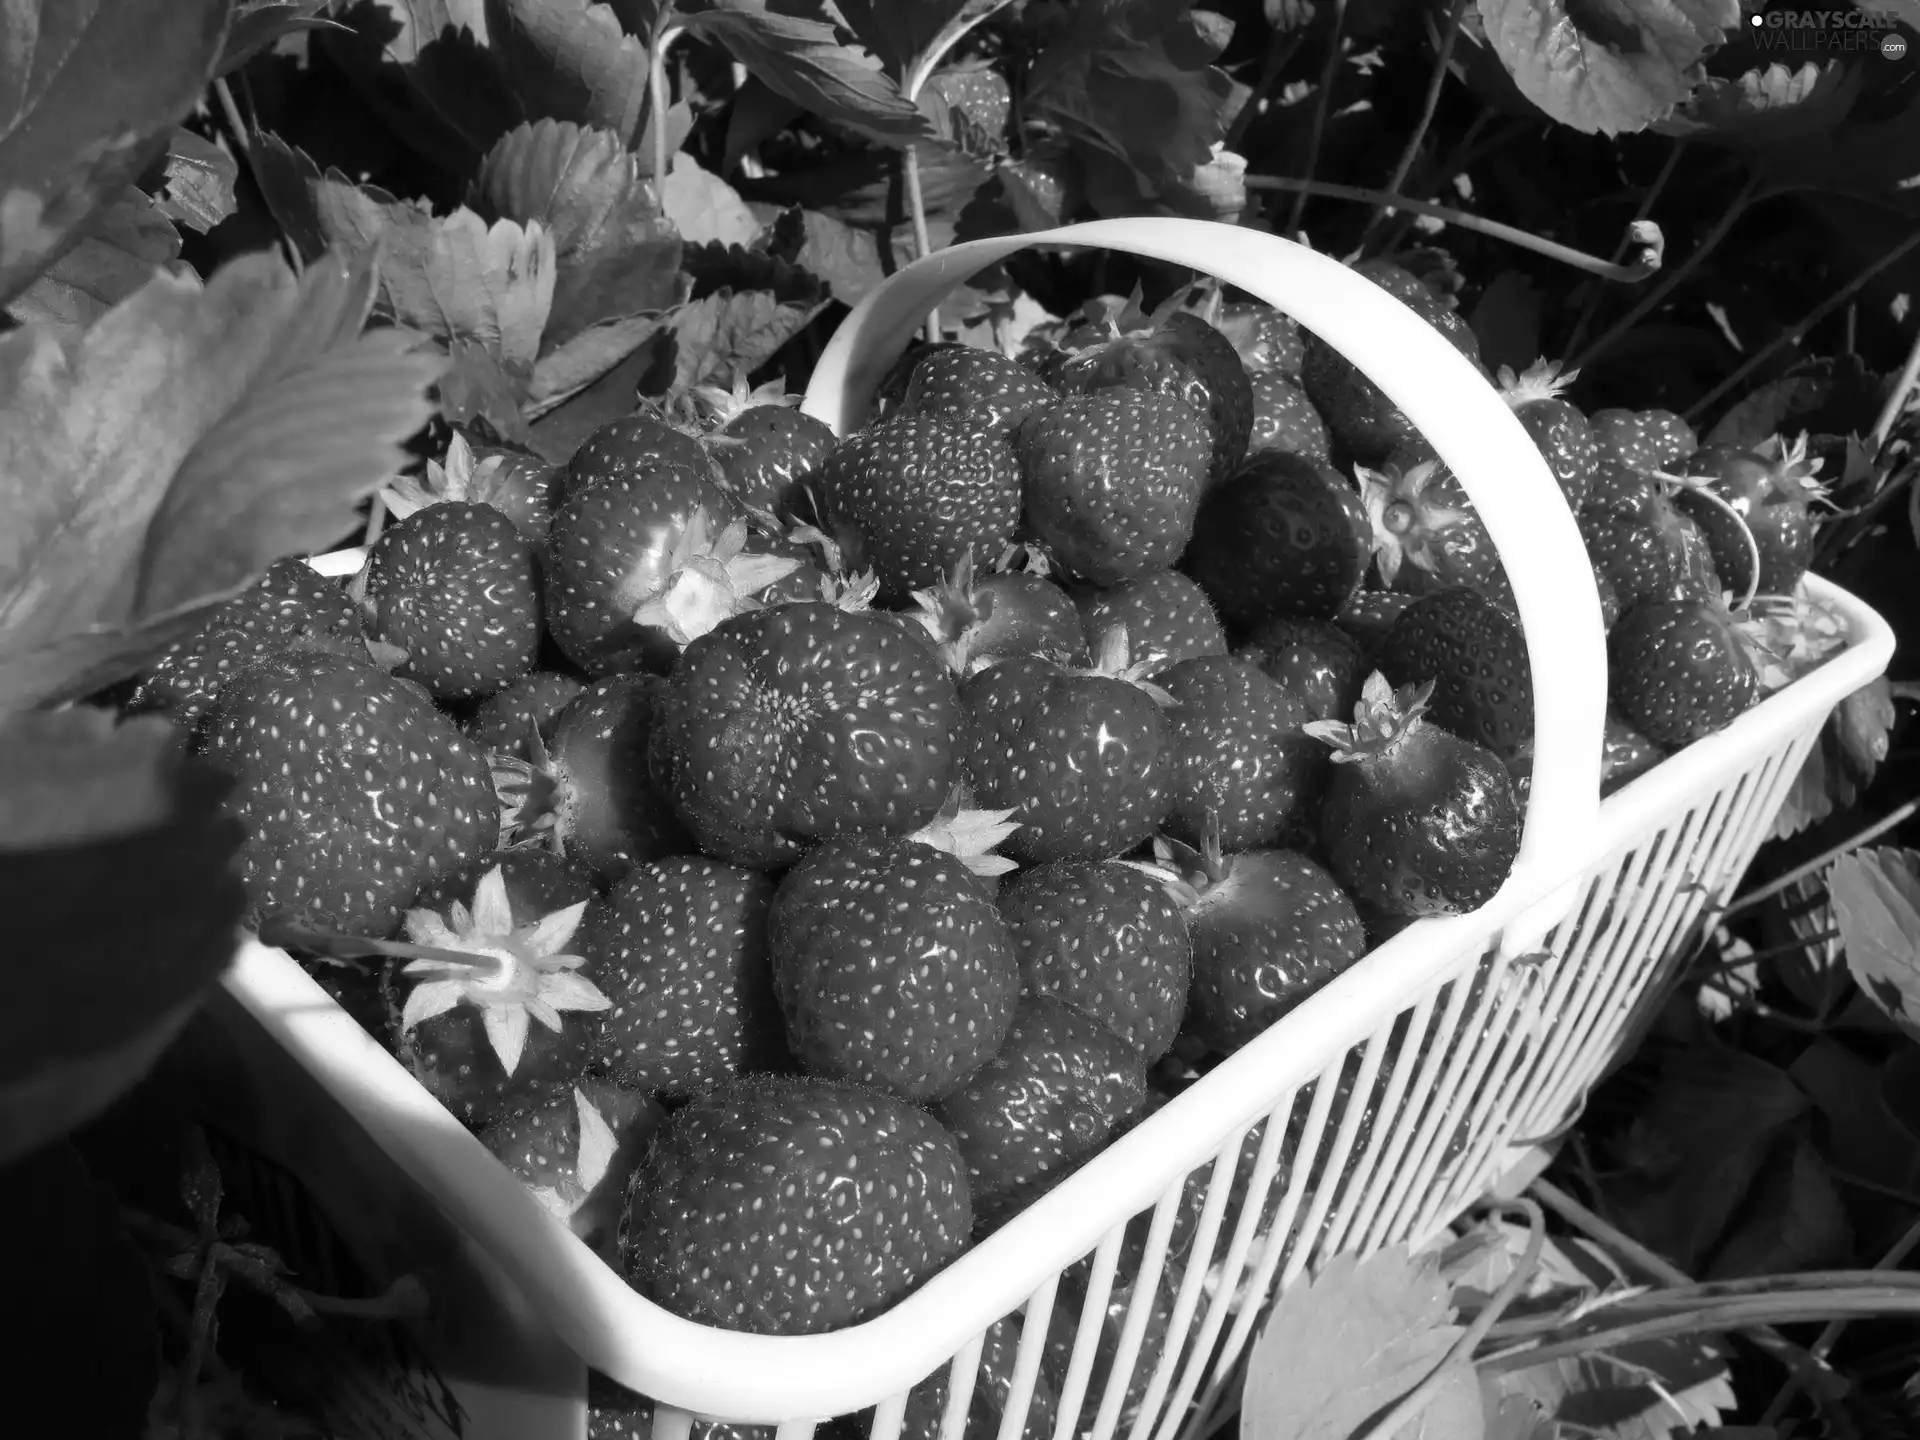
{"x": 1768, "y": 109}
{"x": 904, "y": 33}
{"x": 91, "y": 86}
{"x": 90, "y": 808}
{"x": 704, "y": 208}
{"x": 563, "y": 373}
{"x": 259, "y": 25}
{"x": 1611, "y": 69}
{"x": 1341, "y": 1348}
{"x": 198, "y": 188}
{"x": 114, "y": 253}
{"x": 199, "y": 433}
{"x": 1876, "y": 898}
{"x": 734, "y": 330}
{"x": 804, "y": 59}
{"x": 570, "y": 60}
{"x": 615, "y": 255}
{"x": 477, "y": 387}
{"x": 1643, "y": 1391}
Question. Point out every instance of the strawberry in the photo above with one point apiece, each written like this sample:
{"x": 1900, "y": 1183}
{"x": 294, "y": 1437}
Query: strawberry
{"x": 1564, "y": 436}
{"x": 1269, "y": 927}
{"x": 980, "y": 389}
{"x": 1113, "y": 480}
{"x": 1427, "y": 535}
{"x": 1167, "y": 616}
{"x": 979, "y": 92}
{"x": 1651, "y": 552}
{"x": 354, "y": 790}
{"x": 892, "y": 388}
{"x": 1370, "y": 614}
{"x": 908, "y": 496}
{"x": 1285, "y": 420}
{"x": 617, "y": 1413}
{"x": 1282, "y": 536}
{"x": 1085, "y": 758}
{"x": 1242, "y": 755}
{"x": 1047, "y": 1097}
{"x": 468, "y": 1023}
{"x": 1768, "y": 492}
{"x": 786, "y": 726}
{"x": 633, "y": 446}
{"x": 789, "y": 1205}
{"x": 1356, "y": 410}
{"x": 288, "y": 608}
{"x": 980, "y": 620}
{"x": 1643, "y": 440}
{"x": 1615, "y": 487}
{"x": 680, "y": 948}
{"x": 588, "y": 792}
{"x": 1316, "y": 661}
{"x": 520, "y": 485}
{"x": 1106, "y": 939}
{"x": 504, "y": 721}
{"x": 1475, "y": 655}
{"x": 1679, "y": 670}
{"x": 892, "y": 964}
{"x": 454, "y": 586}
{"x": 576, "y": 1150}
{"x": 1416, "y": 821}
{"x": 766, "y": 450}
{"x": 1267, "y": 341}
{"x": 1176, "y": 354}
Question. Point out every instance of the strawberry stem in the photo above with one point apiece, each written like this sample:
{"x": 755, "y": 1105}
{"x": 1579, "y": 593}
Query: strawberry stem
{"x": 285, "y": 934}
{"x": 1705, "y": 492}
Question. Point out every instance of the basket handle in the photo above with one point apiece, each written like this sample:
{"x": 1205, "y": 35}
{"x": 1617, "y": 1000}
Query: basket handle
{"x": 1447, "y": 399}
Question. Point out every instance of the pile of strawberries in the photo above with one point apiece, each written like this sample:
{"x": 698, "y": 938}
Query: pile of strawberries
{"x": 792, "y": 855}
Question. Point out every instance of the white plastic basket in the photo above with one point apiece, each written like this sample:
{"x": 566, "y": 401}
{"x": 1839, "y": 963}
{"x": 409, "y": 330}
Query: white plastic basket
{"x": 1464, "y": 1055}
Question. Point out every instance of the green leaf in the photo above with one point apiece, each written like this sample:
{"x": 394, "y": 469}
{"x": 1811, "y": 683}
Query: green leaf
{"x": 90, "y": 808}
{"x": 259, "y": 25}
{"x": 615, "y": 255}
{"x": 200, "y": 176}
{"x": 114, "y": 253}
{"x": 1876, "y": 897}
{"x": 1339, "y": 1349}
{"x": 91, "y": 86}
{"x": 732, "y": 331}
{"x": 804, "y": 60}
{"x": 1643, "y": 1391}
{"x": 570, "y": 60}
{"x": 1765, "y": 412}
{"x": 200, "y": 433}
{"x": 704, "y": 208}
{"x": 903, "y": 33}
{"x": 478, "y": 387}
{"x": 1768, "y": 109}
{"x": 1611, "y": 69}
{"x": 563, "y": 373}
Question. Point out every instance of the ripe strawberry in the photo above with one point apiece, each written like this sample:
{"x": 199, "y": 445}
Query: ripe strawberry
{"x": 680, "y": 948}
{"x": 1643, "y": 440}
{"x": 980, "y": 620}
{"x": 1475, "y": 655}
{"x": 788, "y": 1205}
{"x": 1285, "y": 420}
{"x": 1427, "y": 535}
{"x": 1106, "y": 939}
{"x": 766, "y": 450}
{"x": 1049, "y": 1095}
{"x": 1356, "y": 410}
{"x": 354, "y": 790}
{"x": 1416, "y": 821}
{"x": 454, "y": 586}
{"x": 1370, "y": 614}
{"x": 909, "y": 495}
{"x": 979, "y": 92}
{"x": 576, "y": 1150}
{"x": 1270, "y": 927}
{"x": 1615, "y": 487}
{"x": 1282, "y": 536}
{"x": 588, "y": 793}
{"x": 1267, "y": 341}
{"x": 288, "y": 608}
{"x": 1652, "y": 552}
{"x": 504, "y": 721}
{"x": 1679, "y": 669}
{"x": 1167, "y": 615}
{"x": 1563, "y": 434}
{"x": 1176, "y": 354}
{"x": 631, "y": 447}
{"x": 1770, "y": 491}
{"x": 892, "y": 965}
{"x": 1085, "y": 758}
{"x": 517, "y": 483}
{"x": 1113, "y": 480}
{"x": 1320, "y": 664}
{"x": 892, "y": 388}
{"x": 980, "y": 389}
{"x": 786, "y": 726}
{"x": 1242, "y": 755}
{"x": 468, "y": 1027}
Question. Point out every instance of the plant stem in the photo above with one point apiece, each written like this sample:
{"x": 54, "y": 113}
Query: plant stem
{"x": 657, "y": 99}
{"x": 1791, "y": 947}
{"x": 1814, "y": 317}
{"x": 1588, "y": 310}
{"x": 1738, "y": 206}
{"x": 1837, "y": 542}
{"x": 1279, "y": 55}
{"x": 1429, "y": 103}
{"x": 1896, "y": 402}
{"x": 243, "y": 142}
{"x": 1820, "y": 862}
{"x": 922, "y": 238}
{"x": 1553, "y": 250}
{"x": 1321, "y": 103}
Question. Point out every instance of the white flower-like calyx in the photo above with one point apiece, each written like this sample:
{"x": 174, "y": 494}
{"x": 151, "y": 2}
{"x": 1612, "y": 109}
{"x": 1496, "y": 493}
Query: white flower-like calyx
{"x": 710, "y": 578}
{"x": 970, "y": 835}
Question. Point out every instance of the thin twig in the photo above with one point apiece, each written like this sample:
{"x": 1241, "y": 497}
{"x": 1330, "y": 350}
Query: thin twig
{"x": 1820, "y": 862}
{"x": 1588, "y": 310}
{"x": 1654, "y": 298}
{"x": 1279, "y": 55}
{"x": 922, "y": 237}
{"x": 1396, "y": 182}
{"x": 1553, "y": 250}
{"x": 1321, "y": 103}
{"x": 1768, "y": 952}
{"x": 243, "y": 142}
{"x": 1874, "y": 1187}
{"x": 657, "y": 102}
{"x": 1896, "y": 401}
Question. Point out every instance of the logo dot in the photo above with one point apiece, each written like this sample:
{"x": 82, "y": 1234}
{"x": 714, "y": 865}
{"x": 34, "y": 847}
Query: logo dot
{"x": 1756, "y": 22}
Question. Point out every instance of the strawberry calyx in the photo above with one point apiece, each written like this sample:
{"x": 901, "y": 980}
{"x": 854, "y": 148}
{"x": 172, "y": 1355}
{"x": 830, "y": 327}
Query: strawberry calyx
{"x": 1788, "y": 636}
{"x": 722, "y": 406}
{"x": 969, "y": 834}
{"x": 954, "y": 612}
{"x": 1113, "y": 660}
{"x": 1795, "y": 475}
{"x": 1186, "y": 872}
{"x": 1407, "y": 524}
{"x": 529, "y": 795}
{"x": 1542, "y": 380}
{"x": 530, "y": 976}
{"x": 710, "y": 578}
{"x": 1382, "y": 721}
{"x": 593, "y": 1159}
